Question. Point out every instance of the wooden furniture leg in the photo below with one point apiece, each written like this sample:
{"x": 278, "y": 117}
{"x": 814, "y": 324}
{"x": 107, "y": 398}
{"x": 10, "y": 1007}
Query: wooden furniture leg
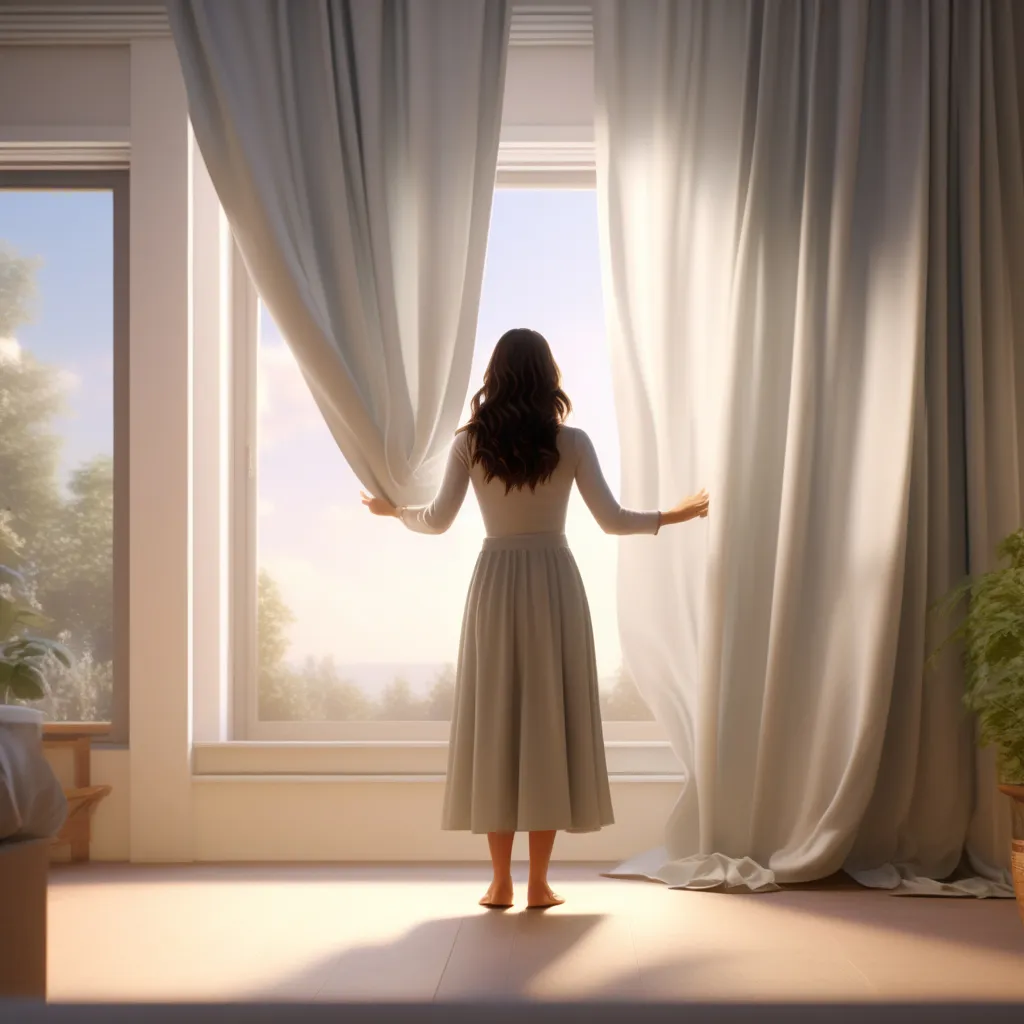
{"x": 83, "y": 797}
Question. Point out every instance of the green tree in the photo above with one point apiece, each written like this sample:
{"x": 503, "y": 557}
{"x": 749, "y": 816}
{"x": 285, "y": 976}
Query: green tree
{"x": 83, "y": 693}
{"x": 623, "y": 701}
{"x": 274, "y": 619}
{"x": 10, "y": 542}
{"x": 30, "y": 398}
{"x": 65, "y": 546}
{"x": 76, "y": 562}
{"x": 17, "y": 290}
{"x": 330, "y": 697}
{"x": 343, "y": 701}
{"x": 315, "y": 692}
{"x": 441, "y": 701}
{"x": 280, "y": 692}
{"x": 399, "y": 704}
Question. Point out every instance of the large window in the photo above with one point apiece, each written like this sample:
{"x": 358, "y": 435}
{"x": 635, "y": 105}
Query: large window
{"x": 62, "y": 322}
{"x": 358, "y": 619}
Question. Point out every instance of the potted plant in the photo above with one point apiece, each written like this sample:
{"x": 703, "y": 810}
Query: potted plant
{"x": 23, "y": 656}
{"x": 32, "y": 802}
{"x": 992, "y": 633}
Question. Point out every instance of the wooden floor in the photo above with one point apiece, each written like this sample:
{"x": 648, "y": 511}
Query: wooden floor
{"x": 382, "y": 932}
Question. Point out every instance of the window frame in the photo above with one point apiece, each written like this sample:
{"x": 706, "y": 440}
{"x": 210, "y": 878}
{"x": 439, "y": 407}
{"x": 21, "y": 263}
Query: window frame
{"x": 40, "y": 175}
{"x": 538, "y": 165}
{"x": 243, "y": 497}
{"x": 547, "y": 142}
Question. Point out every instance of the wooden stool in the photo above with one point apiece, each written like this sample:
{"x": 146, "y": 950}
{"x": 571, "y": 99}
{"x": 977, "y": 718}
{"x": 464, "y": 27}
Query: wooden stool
{"x": 83, "y": 798}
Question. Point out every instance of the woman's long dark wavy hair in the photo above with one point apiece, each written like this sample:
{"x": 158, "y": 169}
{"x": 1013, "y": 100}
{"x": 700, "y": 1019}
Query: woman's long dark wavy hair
{"x": 515, "y": 416}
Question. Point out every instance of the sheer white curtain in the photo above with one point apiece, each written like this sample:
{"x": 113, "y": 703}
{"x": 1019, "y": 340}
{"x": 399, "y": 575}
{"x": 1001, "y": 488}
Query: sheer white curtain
{"x": 353, "y": 144}
{"x": 811, "y": 221}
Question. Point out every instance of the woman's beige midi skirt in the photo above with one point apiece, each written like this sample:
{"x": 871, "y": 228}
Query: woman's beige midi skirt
{"x": 527, "y": 751}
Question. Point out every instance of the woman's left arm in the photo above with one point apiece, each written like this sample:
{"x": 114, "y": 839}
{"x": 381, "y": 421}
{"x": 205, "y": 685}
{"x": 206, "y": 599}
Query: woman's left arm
{"x": 439, "y": 515}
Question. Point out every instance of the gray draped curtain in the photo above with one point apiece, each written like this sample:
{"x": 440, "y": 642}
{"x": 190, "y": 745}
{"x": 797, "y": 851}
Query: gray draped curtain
{"x": 812, "y": 220}
{"x": 353, "y": 145}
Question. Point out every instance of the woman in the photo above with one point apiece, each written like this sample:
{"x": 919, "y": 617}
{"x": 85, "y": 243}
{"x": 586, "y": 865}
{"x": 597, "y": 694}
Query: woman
{"x": 526, "y": 751}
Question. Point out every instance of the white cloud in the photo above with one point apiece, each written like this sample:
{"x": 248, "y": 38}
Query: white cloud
{"x": 284, "y": 405}
{"x": 68, "y": 381}
{"x": 10, "y": 350}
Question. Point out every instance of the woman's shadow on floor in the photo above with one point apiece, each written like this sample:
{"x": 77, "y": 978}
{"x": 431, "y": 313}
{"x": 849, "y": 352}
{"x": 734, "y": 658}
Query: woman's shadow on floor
{"x": 491, "y": 954}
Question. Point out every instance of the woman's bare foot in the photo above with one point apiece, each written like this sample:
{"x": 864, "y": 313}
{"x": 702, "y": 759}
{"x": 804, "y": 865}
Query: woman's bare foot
{"x": 540, "y": 897}
{"x": 538, "y": 893}
{"x": 498, "y": 895}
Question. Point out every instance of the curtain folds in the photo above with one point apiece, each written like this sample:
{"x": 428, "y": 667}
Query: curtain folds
{"x": 812, "y": 220}
{"x": 353, "y": 144}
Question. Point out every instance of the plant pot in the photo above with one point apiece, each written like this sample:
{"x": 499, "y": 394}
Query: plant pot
{"x": 1016, "y": 794}
{"x": 32, "y": 801}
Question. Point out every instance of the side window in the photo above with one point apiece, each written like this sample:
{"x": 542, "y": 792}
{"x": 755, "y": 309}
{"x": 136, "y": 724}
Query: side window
{"x": 61, "y": 316}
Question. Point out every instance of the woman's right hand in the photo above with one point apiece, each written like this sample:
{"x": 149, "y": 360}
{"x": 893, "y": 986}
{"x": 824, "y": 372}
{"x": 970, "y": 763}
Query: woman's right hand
{"x": 694, "y": 507}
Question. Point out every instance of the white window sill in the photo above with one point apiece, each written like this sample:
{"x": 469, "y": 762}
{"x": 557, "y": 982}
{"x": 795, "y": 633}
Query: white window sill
{"x": 392, "y": 733}
{"x": 394, "y": 760}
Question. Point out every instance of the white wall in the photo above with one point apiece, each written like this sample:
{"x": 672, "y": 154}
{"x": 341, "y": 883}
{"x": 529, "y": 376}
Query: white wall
{"x": 65, "y": 93}
{"x": 328, "y": 819}
{"x": 533, "y": 76}
{"x": 160, "y": 471}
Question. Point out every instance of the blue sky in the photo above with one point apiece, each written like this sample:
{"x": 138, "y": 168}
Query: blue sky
{"x": 70, "y": 236}
{"x": 362, "y": 589}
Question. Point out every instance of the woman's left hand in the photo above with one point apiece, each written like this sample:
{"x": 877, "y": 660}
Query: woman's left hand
{"x": 378, "y": 506}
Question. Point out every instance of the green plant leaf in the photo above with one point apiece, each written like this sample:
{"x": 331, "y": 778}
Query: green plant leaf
{"x": 8, "y": 616}
{"x": 29, "y": 647}
{"x": 31, "y": 619}
{"x": 27, "y": 682}
{"x": 61, "y": 653}
{"x": 991, "y": 631}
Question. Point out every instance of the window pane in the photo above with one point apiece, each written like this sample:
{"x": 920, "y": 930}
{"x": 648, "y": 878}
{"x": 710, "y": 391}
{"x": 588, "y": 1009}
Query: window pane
{"x": 57, "y": 433}
{"x": 359, "y": 618}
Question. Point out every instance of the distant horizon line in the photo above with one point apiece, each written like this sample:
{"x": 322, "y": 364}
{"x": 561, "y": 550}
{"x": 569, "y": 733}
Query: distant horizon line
{"x": 396, "y": 668}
